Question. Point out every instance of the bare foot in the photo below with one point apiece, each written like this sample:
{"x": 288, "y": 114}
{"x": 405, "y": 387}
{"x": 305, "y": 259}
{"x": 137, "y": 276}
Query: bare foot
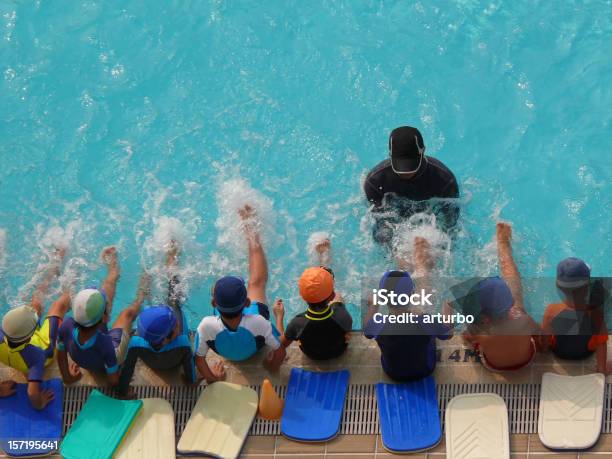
{"x": 246, "y": 212}
{"x": 247, "y": 215}
{"x": 323, "y": 246}
{"x": 173, "y": 252}
{"x": 60, "y": 252}
{"x": 323, "y": 251}
{"x": 504, "y": 232}
{"x": 109, "y": 255}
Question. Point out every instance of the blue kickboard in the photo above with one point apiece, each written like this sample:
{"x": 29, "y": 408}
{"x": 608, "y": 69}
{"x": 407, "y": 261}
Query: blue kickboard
{"x": 26, "y": 431}
{"x": 409, "y": 416}
{"x": 314, "y": 405}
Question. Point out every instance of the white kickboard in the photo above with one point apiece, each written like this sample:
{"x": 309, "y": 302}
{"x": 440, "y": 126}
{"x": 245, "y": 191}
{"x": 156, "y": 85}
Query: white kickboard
{"x": 220, "y": 421}
{"x": 571, "y": 410}
{"x": 476, "y": 427}
{"x": 152, "y": 434}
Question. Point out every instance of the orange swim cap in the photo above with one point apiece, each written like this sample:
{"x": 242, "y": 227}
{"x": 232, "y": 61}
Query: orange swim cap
{"x": 316, "y": 285}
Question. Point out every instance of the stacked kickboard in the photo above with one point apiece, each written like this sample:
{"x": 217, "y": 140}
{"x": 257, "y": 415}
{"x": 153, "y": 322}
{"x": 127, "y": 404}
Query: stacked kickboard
{"x": 220, "y": 421}
{"x": 26, "y": 431}
{"x": 100, "y": 427}
{"x": 409, "y": 416}
{"x": 571, "y": 411}
{"x": 477, "y": 427}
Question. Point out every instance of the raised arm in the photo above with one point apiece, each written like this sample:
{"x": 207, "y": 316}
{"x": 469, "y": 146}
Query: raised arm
{"x": 279, "y": 314}
{"x": 507, "y": 265}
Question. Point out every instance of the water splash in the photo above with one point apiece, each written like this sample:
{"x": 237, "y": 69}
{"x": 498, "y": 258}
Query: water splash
{"x": 157, "y": 233}
{"x": 423, "y": 225}
{"x": 2, "y": 251}
{"x": 232, "y": 196}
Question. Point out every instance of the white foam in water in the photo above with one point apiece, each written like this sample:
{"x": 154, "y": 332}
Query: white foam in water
{"x": 74, "y": 238}
{"x": 48, "y": 241}
{"x": 3, "y": 286}
{"x": 485, "y": 259}
{"x": 423, "y": 225}
{"x": 181, "y": 228}
{"x": 233, "y": 195}
{"x": 2, "y": 250}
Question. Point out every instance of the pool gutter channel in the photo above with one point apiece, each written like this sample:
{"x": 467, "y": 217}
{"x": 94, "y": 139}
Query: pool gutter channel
{"x": 360, "y": 415}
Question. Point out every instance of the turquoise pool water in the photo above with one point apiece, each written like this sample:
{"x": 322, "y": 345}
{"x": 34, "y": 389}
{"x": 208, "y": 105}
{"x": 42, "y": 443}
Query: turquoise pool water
{"x": 129, "y": 122}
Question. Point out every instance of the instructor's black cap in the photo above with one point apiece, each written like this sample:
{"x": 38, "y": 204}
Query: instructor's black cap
{"x": 406, "y": 148}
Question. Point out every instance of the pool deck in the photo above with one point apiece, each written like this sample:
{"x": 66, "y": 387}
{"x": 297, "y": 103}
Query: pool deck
{"x": 457, "y": 364}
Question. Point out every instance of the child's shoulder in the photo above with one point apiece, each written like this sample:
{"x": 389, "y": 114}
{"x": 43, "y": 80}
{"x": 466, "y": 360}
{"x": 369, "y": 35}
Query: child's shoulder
{"x": 209, "y": 321}
{"x": 254, "y": 321}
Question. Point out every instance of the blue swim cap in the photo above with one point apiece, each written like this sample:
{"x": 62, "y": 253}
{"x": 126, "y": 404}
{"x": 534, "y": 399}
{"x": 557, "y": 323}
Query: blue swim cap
{"x": 397, "y": 281}
{"x": 494, "y": 296}
{"x": 156, "y": 323}
{"x": 230, "y": 294}
{"x": 573, "y": 273}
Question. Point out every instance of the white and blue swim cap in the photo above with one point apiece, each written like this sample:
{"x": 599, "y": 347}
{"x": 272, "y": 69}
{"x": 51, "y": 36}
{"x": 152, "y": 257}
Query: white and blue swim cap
{"x": 88, "y": 307}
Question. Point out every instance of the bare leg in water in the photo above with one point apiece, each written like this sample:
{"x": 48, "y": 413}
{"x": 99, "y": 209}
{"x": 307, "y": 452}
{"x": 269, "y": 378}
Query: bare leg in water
{"x": 175, "y": 295}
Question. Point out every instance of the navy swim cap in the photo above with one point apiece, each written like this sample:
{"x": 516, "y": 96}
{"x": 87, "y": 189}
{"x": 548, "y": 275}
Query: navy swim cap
{"x": 230, "y": 294}
{"x": 156, "y": 323}
{"x": 573, "y": 273}
{"x": 399, "y": 282}
{"x": 494, "y": 296}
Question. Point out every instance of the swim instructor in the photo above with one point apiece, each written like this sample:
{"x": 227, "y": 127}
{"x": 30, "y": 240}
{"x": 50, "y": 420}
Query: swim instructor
{"x": 403, "y": 184}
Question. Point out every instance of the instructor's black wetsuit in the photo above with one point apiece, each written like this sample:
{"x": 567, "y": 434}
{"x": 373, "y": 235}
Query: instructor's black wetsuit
{"x": 389, "y": 193}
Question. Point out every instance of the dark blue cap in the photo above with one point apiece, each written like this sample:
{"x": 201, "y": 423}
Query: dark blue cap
{"x": 397, "y": 281}
{"x": 230, "y": 294}
{"x": 494, "y": 296}
{"x": 156, "y": 323}
{"x": 573, "y": 273}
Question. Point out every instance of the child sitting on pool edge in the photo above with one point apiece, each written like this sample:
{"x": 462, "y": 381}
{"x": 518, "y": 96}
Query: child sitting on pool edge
{"x": 576, "y": 328}
{"x": 163, "y": 340}
{"x": 28, "y": 345}
{"x": 242, "y": 327}
{"x": 86, "y": 337}
{"x": 505, "y": 333}
{"x": 394, "y": 339}
{"x": 323, "y": 329}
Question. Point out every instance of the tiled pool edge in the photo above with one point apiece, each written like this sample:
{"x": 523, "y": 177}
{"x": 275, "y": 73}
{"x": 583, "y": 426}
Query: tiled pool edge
{"x": 457, "y": 365}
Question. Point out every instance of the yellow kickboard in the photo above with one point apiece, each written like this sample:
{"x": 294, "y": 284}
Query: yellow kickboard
{"x": 220, "y": 421}
{"x": 152, "y": 435}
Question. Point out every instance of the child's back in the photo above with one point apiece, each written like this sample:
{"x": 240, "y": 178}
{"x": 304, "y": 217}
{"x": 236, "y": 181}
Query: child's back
{"x": 408, "y": 351}
{"x": 321, "y": 333}
{"x": 98, "y": 352}
{"x": 322, "y": 329}
{"x": 576, "y": 326}
{"x": 504, "y": 332}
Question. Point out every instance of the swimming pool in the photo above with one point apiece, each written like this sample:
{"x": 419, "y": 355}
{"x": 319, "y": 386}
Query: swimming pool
{"x": 125, "y": 122}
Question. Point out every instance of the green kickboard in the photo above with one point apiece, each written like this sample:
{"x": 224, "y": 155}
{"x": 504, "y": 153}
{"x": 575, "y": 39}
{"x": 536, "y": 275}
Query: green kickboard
{"x": 100, "y": 427}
